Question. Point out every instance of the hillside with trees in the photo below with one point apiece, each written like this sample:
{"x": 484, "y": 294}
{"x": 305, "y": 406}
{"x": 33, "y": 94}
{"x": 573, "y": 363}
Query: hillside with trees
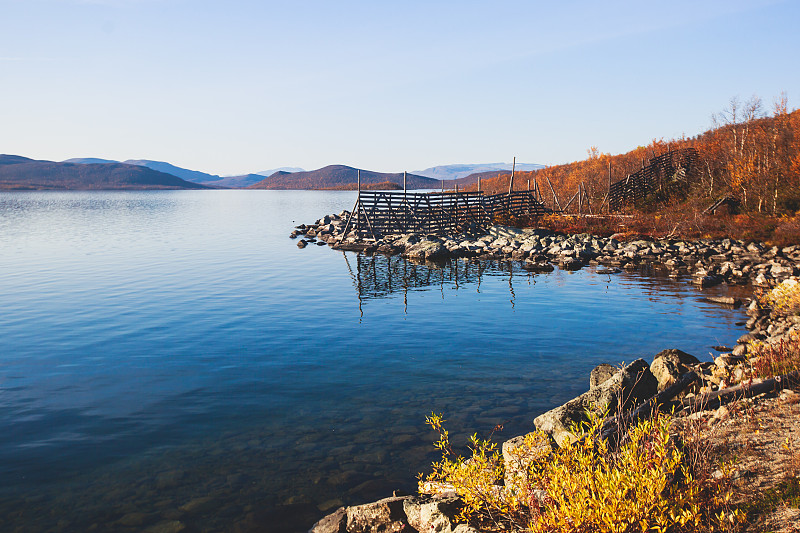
{"x": 749, "y": 155}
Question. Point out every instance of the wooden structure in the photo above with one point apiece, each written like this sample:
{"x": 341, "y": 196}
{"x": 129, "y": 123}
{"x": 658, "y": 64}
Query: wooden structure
{"x": 668, "y": 172}
{"x": 378, "y": 213}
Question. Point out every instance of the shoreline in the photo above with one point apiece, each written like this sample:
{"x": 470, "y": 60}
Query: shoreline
{"x": 704, "y": 263}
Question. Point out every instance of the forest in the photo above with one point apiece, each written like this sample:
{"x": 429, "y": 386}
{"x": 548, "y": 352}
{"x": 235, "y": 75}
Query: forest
{"x": 750, "y": 157}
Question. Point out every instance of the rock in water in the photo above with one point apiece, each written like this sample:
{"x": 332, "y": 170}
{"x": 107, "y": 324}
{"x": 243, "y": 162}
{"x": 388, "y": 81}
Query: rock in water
{"x": 385, "y": 516}
{"x": 335, "y": 522}
{"x": 427, "y": 513}
{"x": 629, "y": 386}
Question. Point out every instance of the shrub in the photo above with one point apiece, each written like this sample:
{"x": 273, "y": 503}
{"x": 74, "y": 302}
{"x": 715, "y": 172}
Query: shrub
{"x": 775, "y": 359}
{"x": 784, "y": 299}
{"x": 585, "y": 486}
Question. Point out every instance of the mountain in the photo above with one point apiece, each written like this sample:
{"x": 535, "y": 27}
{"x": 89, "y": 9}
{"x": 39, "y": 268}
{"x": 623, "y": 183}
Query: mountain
{"x": 451, "y": 172}
{"x": 183, "y": 173}
{"x": 339, "y": 176}
{"x": 89, "y": 160}
{"x": 473, "y": 178}
{"x": 268, "y": 173}
{"x": 21, "y": 173}
{"x": 236, "y": 182}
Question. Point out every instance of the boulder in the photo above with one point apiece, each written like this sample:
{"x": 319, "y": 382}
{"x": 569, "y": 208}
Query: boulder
{"x": 533, "y": 266}
{"x": 384, "y": 516}
{"x": 669, "y": 365}
{"x": 432, "y": 514}
{"x": 427, "y": 250}
{"x": 600, "y": 374}
{"x": 628, "y": 387}
{"x": 707, "y": 281}
{"x": 571, "y": 264}
{"x": 336, "y": 522}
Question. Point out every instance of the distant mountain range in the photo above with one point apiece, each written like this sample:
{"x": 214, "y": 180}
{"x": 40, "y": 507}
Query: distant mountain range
{"x": 120, "y": 175}
{"x": 452, "y": 172}
{"x": 340, "y": 177}
{"x": 268, "y": 173}
{"x": 240, "y": 181}
{"x": 21, "y": 173}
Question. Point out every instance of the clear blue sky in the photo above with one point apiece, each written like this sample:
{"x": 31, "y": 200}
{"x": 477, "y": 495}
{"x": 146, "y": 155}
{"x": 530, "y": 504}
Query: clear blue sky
{"x": 242, "y": 85}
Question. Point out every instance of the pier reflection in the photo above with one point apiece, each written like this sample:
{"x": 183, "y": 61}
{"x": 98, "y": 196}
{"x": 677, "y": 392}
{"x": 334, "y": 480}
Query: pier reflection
{"x": 380, "y": 276}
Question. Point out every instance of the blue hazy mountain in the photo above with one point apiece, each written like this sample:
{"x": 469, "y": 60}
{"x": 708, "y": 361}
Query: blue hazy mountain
{"x": 183, "y": 173}
{"x": 268, "y": 173}
{"x": 452, "y": 172}
{"x": 89, "y": 160}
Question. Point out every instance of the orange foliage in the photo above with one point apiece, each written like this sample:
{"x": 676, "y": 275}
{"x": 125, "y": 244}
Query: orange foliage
{"x": 747, "y": 155}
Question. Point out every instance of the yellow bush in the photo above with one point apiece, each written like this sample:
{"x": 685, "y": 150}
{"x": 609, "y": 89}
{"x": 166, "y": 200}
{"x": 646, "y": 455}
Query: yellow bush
{"x": 591, "y": 488}
{"x": 585, "y": 486}
{"x": 784, "y": 298}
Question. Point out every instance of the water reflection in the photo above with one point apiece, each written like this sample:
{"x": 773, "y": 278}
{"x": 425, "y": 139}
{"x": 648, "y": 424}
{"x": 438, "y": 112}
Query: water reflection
{"x": 380, "y": 276}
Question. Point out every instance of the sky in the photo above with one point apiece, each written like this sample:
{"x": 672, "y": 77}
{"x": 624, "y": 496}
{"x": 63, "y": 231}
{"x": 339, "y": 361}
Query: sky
{"x": 237, "y": 86}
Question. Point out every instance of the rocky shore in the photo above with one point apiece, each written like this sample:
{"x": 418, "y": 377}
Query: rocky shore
{"x": 706, "y": 262}
{"x": 673, "y": 380}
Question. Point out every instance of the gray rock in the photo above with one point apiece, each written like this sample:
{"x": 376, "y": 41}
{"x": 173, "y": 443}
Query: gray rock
{"x": 571, "y": 264}
{"x": 427, "y": 250}
{"x": 336, "y": 522}
{"x": 384, "y": 516}
{"x": 431, "y": 513}
{"x": 725, "y": 300}
{"x": 533, "y": 266}
{"x": 630, "y": 386}
{"x": 746, "y": 338}
{"x": 669, "y": 365}
{"x": 600, "y": 374}
{"x": 739, "y": 350}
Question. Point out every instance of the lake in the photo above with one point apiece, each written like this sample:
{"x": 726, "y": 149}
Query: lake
{"x": 171, "y": 359}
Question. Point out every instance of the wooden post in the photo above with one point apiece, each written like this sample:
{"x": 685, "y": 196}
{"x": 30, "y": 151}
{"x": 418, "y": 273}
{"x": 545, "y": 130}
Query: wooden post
{"x": 511, "y": 182}
{"x": 442, "y": 186}
{"x": 405, "y": 189}
{"x": 359, "y": 179}
{"x": 529, "y": 185}
{"x": 479, "y": 184}
{"x": 555, "y": 198}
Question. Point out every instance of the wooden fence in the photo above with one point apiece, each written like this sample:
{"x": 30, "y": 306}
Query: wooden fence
{"x": 665, "y": 173}
{"x": 378, "y": 213}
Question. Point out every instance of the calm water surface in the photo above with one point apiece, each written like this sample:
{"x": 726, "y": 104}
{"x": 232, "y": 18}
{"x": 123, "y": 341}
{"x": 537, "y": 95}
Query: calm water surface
{"x": 172, "y": 359}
